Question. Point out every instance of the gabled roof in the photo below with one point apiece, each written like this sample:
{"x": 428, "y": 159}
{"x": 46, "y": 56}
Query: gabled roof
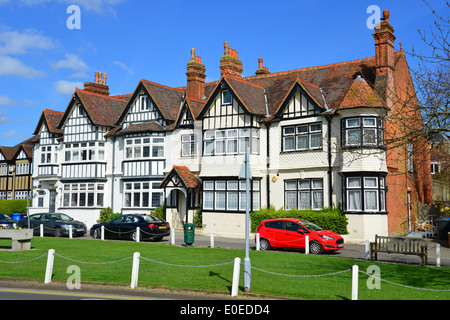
{"x": 361, "y": 94}
{"x": 52, "y": 119}
{"x": 102, "y": 110}
{"x": 9, "y": 152}
{"x": 167, "y": 99}
{"x": 188, "y": 179}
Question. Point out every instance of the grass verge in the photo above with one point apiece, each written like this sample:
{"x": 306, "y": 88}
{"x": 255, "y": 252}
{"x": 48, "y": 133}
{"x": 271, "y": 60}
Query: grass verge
{"x": 94, "y": 258}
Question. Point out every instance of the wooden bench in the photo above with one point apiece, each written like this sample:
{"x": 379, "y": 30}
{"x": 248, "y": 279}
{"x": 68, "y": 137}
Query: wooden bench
{"x": 21, "y": 239}
{"x": 409, "y": 246}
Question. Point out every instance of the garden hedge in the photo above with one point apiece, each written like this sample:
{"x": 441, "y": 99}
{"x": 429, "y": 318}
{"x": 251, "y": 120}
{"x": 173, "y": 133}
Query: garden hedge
{"x": 13, "y": 206}
{"x": 327, "y": 218}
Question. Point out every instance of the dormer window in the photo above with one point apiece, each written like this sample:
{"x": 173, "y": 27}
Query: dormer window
{"x": 143, "y": 101}
{"x": 227, "y": 98}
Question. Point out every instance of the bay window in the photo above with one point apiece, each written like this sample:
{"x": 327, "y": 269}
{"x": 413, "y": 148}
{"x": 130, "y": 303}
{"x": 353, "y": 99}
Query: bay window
{"x": 231, "y": 141}
{"x": 230, "y": 195}
{"x": 303, "y": 194}
{"x": 364, "y": 193}
{"x": 362, "y": 132}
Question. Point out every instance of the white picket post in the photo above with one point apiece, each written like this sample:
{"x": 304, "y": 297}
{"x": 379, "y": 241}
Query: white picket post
{"x": 41, "y": 230}
{"x": 367, "y": 250}
{"x": 49, "y": 269}
{"x": 211, "y": 239}
{"x": 236, "y": 273}
{"x": 258, "y": 243}
{"x": 138, "y": 234}
{"x": 307, "y": 245}
{"x": 172, "y": 237}
{"x": 355, "y": 277}
{"x": 103, "y": 233}
{"x": 70, "y": 231}
{"x": 135, "y": 270}
{"x": 438, "y": 255}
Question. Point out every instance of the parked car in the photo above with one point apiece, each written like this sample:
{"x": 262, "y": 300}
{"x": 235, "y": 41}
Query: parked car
{"x": 124, "y": 227}
{"x": 56, "y": 224}
{"x": 7, "y": 222}
{"x": 290, "y": 233}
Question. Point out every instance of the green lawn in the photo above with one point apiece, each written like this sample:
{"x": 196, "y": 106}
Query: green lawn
{"x": 219, "y": 278}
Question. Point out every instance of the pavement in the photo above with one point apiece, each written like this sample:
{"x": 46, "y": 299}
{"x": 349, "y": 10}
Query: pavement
{"x": 354, "y": 251}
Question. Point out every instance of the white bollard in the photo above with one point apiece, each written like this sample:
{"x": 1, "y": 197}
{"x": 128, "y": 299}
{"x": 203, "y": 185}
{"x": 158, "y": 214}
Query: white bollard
{"x": 355, "y": 277}
{"x": 41, "y": 230}
{"x": 438, "y": 255}
{"x": 70, "y": 231}
{"x": 307, "y": 245}
{"x": 258, "y": 243}
{"x": 135, "y": 270}
{"x": 236, "y": 273}
{"x": 172, "y": 237}
{"x": 367, "y": 250}
{"x": 49, "y": 269}
{"x": 211, "y": 240}
{"x": 103, "y": 233}
{"x": 138, "y": 234}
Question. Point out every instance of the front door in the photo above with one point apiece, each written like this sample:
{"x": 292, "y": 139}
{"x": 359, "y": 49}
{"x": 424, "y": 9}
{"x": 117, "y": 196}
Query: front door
{"x": 52, "y": 201}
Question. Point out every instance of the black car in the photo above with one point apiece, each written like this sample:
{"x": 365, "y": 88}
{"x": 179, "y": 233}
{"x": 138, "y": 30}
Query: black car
{"x": 56, "y": 224}
{"x": 7, "y": 222}
{"x": 124, "y": 227}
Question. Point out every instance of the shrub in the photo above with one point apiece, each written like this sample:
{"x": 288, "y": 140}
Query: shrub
{"x": 13, "y": 206}
{"x": 107, "y": 215}
{"x": 327, "y": 218}
{"x": 158, "y": 212}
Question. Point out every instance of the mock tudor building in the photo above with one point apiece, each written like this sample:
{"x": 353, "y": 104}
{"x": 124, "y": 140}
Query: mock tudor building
{"x": 317, "y": 138}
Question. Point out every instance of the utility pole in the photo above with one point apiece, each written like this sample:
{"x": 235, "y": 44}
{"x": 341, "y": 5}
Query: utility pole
{"x": 245, "y": 173}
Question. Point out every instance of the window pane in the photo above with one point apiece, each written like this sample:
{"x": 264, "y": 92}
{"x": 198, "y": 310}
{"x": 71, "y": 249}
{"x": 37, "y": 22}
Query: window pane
{"x": 353, "y": 137}
{"x": 291, "y": 185}
{"x": 353, "y": 122}
{"x": 208, "y": 202}
{"x": 232, "y": 146}
{"x": 291, "y": 199}
{"x": 232, "y": 185}
{"x": 353, "y": 182}
{"x": 371, "y": 200}
{"x": 304, "y": 200}
{"x": 220, "y": 201}
{"x": 370, "y": 182}
{"x": 145, "y": 199}
{"x": 302, "y": 142}
{"x": 354, "y": 200}
{"x": 209, "y": 147}
{"x": 317, "y": 199}
{"x": 316, "y": 141}
{"x": 289, "y": 143}
{"x": 232, "y": 201}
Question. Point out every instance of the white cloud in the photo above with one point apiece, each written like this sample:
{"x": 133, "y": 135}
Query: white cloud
{"x": 6, "y": 101}
{"x": 96, "y": 6}
{"x": 124, "y": 67}
{"x": 3, "y": 117}
{"x": 14, "y": 67}
{"x": 67, "y": 88}
{"x": 72, "y": 62}
{"x": 15, "y": 42}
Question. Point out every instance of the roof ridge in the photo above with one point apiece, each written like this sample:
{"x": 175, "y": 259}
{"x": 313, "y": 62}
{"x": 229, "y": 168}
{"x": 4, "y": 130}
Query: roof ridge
{"x": 307, "y": 68}
{"x": 245, "y": 81}
{"x": 162, "y": 85}
{"x": 98, "y": 94}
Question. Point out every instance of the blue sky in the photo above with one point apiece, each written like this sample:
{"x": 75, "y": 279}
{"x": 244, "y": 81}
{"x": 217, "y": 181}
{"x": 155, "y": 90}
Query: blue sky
{"x": 42, "y": 60}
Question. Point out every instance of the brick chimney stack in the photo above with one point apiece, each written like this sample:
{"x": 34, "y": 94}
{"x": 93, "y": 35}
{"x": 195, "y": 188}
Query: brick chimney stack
{"x": 230, "y": 65}
{"x": 99, "y": 86}
{"x": 384, "y": 57}
{"x": 261, "y": 68}
{"x": 196, "y": 74}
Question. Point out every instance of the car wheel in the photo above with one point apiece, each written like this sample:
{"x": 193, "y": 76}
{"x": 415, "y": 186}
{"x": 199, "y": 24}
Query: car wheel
{"x": 96, "y": 234}
{"x": 134, "y": 236}
{"x": 315, "y": 247}
{"x": 58, "y": 233}
{"x": 264, "y": 244}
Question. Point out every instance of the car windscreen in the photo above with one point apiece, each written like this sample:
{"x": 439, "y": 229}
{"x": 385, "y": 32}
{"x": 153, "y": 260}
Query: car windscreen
{"x": 4, "y": 217}
{"x": 311, "y": 226}
{"x": 61, "y": 216}
{"x": 151, "y": 219}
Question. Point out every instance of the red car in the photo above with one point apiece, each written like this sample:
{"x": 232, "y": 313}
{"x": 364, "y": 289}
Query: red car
{"x": 290, "y": 233}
